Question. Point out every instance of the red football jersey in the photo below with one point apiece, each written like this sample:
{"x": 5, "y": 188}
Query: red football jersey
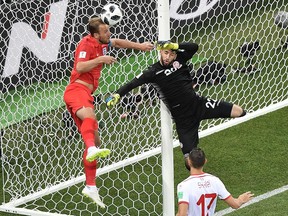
{"x": 88, "y": 49}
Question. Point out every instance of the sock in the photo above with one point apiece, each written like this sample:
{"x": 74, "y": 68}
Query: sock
{"x": 243, "y": 113}
{"x": 90, "y": 170}
{"x": 87, "y": 130}
{"x": 91, "y": 187}
{"x": 186, "y": 156}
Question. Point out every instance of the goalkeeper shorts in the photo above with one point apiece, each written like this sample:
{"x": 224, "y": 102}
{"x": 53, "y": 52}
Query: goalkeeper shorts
{"x": 187, "y": 126}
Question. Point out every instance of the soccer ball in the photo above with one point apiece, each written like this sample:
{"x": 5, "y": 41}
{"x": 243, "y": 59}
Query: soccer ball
{"x": 111, "y": 14}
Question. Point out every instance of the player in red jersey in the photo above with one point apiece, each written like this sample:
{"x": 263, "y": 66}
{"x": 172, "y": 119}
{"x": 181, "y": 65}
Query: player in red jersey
{"x": 90, "y": 56}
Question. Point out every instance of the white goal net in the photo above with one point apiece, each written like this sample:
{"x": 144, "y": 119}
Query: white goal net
{"x": 242, "y": 58}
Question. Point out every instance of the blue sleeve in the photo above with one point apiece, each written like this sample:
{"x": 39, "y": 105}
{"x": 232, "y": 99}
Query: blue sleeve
{"x": 109, "y": 44}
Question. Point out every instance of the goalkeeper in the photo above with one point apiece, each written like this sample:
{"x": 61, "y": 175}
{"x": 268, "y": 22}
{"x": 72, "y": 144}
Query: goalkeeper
{"x": 170, "y": 76}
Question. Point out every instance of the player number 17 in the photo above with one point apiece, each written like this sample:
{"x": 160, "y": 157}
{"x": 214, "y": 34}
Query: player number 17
{"x": 201, "y": 202}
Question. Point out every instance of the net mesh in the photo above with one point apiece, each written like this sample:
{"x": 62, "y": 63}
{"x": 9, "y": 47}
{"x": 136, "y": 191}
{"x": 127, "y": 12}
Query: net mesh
{"x": 40, "y": 145}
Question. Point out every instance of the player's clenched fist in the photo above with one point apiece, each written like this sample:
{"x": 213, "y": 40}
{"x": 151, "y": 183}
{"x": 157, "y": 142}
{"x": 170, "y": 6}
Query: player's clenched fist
{"x": 112, "y": 100}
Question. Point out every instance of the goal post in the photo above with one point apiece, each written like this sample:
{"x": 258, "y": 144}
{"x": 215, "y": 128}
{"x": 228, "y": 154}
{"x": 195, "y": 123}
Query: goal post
{"x": 41, "y": 161}
{"x": 166, "y": 122}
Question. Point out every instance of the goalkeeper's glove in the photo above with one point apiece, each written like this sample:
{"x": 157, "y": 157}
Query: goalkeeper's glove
{"x": 112, "y": 100}
{"x": 162, "y": 45}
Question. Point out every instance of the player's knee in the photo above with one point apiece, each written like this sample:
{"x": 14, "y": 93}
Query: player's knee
{"x": 86, "y": 112}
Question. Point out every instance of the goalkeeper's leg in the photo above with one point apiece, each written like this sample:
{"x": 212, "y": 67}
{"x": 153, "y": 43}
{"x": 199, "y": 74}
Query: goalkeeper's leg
{"x": 210, "y": 109}
{"x": 189, "y": 139}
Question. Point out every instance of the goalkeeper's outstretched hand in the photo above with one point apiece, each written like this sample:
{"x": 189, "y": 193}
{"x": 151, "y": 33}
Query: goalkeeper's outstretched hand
{"x": 162, "y": 45}
{"x": 112, "y": 100}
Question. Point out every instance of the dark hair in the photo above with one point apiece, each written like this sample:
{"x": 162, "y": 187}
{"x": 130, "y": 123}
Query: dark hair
{"x": 197, "y": 157}
{"x": 93, "y": 25}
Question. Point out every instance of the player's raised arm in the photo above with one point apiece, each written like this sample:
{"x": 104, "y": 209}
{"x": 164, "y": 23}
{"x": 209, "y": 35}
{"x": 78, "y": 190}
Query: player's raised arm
{"x": 121, "y": 43}
{"x": 144, "y": 77}
{"x": 189, "y": 49}
{"x": 114, "y": 98}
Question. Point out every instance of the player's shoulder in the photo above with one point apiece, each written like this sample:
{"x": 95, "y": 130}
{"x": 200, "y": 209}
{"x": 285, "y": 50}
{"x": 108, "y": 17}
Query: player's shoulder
{"x": 156, "y": 67}
{"x": 199, "y": 176}
{"x": 89, "y": 40}
{"x": 182, "y": 184}
{"x": 209, "y": 175}
{"x": 151, "y": 68}
{"x": 187, "y": 183}
{"x": 189, "y": 179}
{"x": 213, "y": 177}
{"x": 86, "y": 39}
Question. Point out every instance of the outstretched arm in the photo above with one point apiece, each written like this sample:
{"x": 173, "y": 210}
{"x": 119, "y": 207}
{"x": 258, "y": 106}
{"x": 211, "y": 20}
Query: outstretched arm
{"x": 114, "y": 99}
{"x": 123, "y": 90}
{"x": 137, "y": 81}
{"x": 121, "y": 43}
{"x": 236, "y": 203}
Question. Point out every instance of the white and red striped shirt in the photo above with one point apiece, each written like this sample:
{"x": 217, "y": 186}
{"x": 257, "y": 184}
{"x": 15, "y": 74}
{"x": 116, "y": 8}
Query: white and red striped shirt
{"x": 200, "y": 192}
